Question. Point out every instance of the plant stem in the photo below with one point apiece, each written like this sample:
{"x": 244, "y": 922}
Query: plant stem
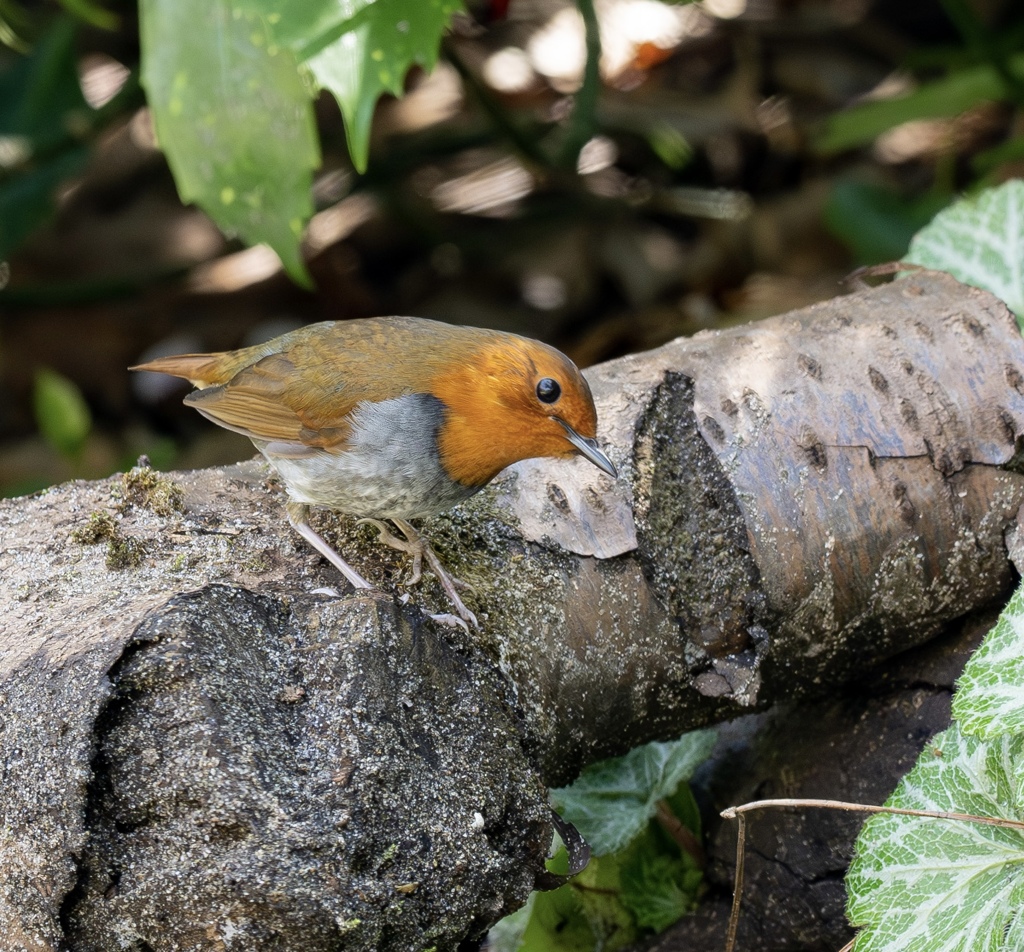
{"x": 583, "y": 120}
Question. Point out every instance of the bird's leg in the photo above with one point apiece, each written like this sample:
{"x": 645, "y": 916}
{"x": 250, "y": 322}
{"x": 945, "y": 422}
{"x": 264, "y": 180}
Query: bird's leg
{"x": 447, "y": 582}
{"x": 298, "y": 514}
{"x": 390, "y": 539}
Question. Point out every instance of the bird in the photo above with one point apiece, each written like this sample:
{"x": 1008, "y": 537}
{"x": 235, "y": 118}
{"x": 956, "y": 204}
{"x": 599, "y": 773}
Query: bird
{"x": 393, "y": 419}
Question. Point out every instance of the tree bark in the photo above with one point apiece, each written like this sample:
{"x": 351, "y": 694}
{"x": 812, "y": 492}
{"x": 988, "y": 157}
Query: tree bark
{"x": 204, "y": 748}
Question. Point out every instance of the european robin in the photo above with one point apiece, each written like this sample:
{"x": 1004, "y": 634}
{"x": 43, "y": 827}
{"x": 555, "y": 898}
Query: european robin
{"x": 393, "y": 418}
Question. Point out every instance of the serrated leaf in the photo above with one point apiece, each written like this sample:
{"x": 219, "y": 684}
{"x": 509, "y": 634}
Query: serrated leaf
{"x": 373, "y": 54}
{"x": 990, "y": 693}
{"x": 659, "y": 885}
{"x": 612, "y": 800}
{"x": 928, "y": 885}
{"x": 61, "y": 412}
{"x": 307, "y": 26}
{"x": 234, "y": 119}
{"x": 980, "y": 241}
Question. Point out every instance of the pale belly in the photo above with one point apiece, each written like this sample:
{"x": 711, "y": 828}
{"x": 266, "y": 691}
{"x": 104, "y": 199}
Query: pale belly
{"x": 390, "y": 468}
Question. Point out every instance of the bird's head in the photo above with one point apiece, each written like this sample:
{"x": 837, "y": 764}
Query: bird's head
{"x": 513, "y": 399}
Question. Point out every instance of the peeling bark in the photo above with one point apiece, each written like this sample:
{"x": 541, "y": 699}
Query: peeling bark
{"x": 203, "y": 747}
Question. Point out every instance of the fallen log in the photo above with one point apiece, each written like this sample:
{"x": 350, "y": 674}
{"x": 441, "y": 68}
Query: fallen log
{"x": 204, "y": 746}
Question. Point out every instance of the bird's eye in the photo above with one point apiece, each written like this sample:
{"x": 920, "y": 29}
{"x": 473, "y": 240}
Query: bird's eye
{"x": 548, "y": 390}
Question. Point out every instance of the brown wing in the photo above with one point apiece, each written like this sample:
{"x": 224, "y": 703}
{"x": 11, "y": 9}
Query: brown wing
{"x": 272, "y": 401}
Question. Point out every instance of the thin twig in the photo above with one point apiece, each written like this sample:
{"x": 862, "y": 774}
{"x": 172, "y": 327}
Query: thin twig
{"x": 737, "y": 887}
{"x": 739, "y": 814}
{"x": 733, "y": 812}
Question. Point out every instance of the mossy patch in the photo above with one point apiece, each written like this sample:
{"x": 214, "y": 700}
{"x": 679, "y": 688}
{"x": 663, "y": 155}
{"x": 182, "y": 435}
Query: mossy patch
{"x": 123, "y": 552}
{"x": 144, "y": 487}
{"x": 100, "y": 528}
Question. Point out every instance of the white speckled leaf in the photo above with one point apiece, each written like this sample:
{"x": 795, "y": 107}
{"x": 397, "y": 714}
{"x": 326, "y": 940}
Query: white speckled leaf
{"x": 926, "y": 885}
{"x": 234, "y": 119}
{"x": 611, "y": 801}
{"x": 372, "y": 56}
{"x": 990, "y": 695}
{"x": 980, "y": 241}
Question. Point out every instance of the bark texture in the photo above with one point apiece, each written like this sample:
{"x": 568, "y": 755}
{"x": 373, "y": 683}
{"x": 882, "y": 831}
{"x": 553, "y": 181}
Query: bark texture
{"x": 204, "y": 747}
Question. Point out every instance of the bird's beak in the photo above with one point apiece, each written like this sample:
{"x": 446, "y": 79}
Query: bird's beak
{"x": 589, "y": 449}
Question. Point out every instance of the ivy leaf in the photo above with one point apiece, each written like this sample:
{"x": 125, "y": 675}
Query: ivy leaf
{"x": 372, "y": 53}
{"x": 990, "y": 693}
{"x": 980, "y": 241}
{"x": 234, "y": 119}
{"x": 919, "y": 884}
{"x": 611, "y": 801}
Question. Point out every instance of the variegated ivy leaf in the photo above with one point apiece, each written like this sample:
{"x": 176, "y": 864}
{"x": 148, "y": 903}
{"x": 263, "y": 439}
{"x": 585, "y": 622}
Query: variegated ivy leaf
{"x": 979, "y": 241}
{"x": 990, "y": 694}
{"x": 928, "y": 885}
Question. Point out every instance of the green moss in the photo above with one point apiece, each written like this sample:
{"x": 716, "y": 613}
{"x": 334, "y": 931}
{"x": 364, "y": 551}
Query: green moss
{"x": 144, "y": 487}
{"x": 100, "y": 527}
{"x": 125, "y": 552}
{"x": 122, "y": 551}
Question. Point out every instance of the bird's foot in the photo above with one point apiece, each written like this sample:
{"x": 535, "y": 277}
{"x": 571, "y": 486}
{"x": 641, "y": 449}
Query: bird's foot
{"x": 413, "y": 548}
{"x": 298, "y": 517}
{"x": 447, "y": 582}
{"x": 452, "y": 621}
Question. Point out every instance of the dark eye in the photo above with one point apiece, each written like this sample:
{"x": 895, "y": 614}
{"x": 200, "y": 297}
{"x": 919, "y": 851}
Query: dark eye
{"x": 548, "y": 390}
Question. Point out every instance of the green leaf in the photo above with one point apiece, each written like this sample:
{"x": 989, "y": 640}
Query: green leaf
{"x": 307, "y": 26}
{"x": 926, "y": 885}
{"x": 61, "y": 412}
{"x": 875, "y": 222}
{"x": 372, "y": 55}
{"x": 980, "y": 241}
{"x": 506, "y": 935}
{"x": 556, "y": 924}
{"x": 234, "y": 119}
{"x": 990, "y": 695}
{"x": 599, "y": 892}
{"x": 949, "y": 96}
{"x": 612, "y": 800}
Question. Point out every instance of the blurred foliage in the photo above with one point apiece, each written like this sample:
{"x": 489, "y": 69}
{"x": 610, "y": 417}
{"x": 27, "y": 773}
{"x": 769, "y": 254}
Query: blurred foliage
{"x": 988, "y": 67}
{"x": 876, "y": 222}
{"x": 42, "y": 116}
{"x": 61, "y": 412}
